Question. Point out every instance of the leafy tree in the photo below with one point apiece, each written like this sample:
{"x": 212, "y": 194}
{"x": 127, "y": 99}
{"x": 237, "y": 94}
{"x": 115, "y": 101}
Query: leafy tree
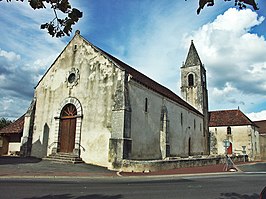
{"x": 4, "y": 122}
{"x": 240, "y": 3}
{"x": 58, "y": 26}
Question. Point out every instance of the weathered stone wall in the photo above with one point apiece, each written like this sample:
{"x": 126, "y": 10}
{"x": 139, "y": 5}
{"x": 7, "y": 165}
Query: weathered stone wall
{"x": 240, "y": 136}
{"x": 159, "y": 165}
{"x": 97, "y": 80}
{"x": 197, "y": 95}
{"x": 194, "y": 95}
{"x": 3, "y": 145}
{"x": 263, "y": 146}
{"x": 146, "y": 125}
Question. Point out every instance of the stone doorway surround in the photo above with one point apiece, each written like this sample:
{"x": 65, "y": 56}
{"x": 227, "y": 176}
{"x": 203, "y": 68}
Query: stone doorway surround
{"x": 77, "y": 104}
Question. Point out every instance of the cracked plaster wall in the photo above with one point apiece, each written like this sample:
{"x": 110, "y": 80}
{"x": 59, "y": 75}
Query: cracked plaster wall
{"x": 95, "y": 90}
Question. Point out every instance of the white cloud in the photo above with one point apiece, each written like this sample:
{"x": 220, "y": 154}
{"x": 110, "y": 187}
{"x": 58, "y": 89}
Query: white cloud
{"x": 26, "y": 52}
{"x": 234, "y": 58}
{"x": 256, "y": 116}
{"x": 237, "y": 22}
{"x": 226, "y": 90}
{"x": 10, "y": 56}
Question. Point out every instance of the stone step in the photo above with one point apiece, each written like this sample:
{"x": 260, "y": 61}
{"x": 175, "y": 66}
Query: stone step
{"x": 64, "y": 160}
{"x": 64, "y": 157}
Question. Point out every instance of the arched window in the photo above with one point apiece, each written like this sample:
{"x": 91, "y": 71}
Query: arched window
{"x": 146, "y": 105}
{"x": 181, "y": 119}
{"x": 229, "y": 130}
{"x": 190, "y": 80}
{"x": 69, "y": 110}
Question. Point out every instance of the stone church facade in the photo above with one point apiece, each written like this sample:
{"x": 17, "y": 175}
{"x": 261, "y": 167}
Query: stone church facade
{"x": 93, "y": 106}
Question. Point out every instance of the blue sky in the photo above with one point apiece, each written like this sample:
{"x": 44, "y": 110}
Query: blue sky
{"x": 152, "y": 36}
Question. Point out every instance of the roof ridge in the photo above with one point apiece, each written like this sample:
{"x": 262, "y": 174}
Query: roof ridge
{"x": 233, "y": 117}
{"x": 140, "y": 77}
{"x": 17, "y": 123}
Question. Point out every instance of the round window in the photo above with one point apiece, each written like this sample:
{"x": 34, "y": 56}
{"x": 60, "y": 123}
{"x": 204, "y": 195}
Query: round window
{"x": 71, "y": 78}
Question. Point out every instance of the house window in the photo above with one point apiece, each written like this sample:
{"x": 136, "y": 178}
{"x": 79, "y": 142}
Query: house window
{"x": 229, "y": 130}
{"x": 146, "y": 105}
{"x": 194, "y": 124}
{"x": 181, "y": 119}
{"x": 190, "y": 80}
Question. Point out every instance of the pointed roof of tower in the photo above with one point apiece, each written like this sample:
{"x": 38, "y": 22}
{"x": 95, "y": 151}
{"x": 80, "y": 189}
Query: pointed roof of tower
{"x": 193, "y": 58}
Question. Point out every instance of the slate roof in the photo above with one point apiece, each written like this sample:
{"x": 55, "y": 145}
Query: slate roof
{"x": 151, "y": 84}
{"x": 262, "y": 126}
{"x": 228, "y": 118}
{"x": 193, "y": 58}
{"x": 137, "y": 76}
{"x": 14, "y": 128}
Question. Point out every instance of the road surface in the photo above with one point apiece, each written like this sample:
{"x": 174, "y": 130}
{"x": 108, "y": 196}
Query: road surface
{"x": 229, "y": 186}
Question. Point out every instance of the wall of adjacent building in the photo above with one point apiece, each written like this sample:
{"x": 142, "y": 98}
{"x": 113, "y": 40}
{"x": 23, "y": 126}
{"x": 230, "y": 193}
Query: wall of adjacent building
{"x": 14, "y": 148}
{"x": 263, "y": 146}
{"x": 240, "y": 136}
{"x": 3, "y": 145}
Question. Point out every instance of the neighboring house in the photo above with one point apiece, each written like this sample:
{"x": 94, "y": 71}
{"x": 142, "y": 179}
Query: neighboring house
{"x": 10, "y": 137}
{"x": 262, "y": 134}
{"x": 238, "y": 129}
{"x": 93, "y": 106}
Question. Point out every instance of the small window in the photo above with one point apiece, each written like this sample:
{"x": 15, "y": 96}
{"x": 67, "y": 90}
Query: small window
{"x": 194, "y": 124}
{"x": 75, "y": 47}
{"x": 71, "y": 78}
{"x": 181, "y": 119}
{"x": 229, "y": 130}
{"x": 190, "y": 80}
{"x": 146, "y": 105}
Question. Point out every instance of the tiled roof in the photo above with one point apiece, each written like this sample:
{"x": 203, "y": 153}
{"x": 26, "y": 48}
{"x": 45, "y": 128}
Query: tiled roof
{"x": 14, "y": 128}
{"x": 228, "y": 118}
{"x": 262, "y": 126}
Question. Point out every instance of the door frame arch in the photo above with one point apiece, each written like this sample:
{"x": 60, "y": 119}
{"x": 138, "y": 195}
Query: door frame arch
{"x": 77, "y": 104}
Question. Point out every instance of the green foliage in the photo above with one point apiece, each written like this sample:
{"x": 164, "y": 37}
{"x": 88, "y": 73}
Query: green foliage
{"x": 4, "y": 122}
{"x": 58, "y": 26}
{"x": 241, "y": 4}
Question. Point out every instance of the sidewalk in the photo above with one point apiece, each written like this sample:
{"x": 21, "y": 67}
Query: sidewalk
{"x": 33, "y": 167}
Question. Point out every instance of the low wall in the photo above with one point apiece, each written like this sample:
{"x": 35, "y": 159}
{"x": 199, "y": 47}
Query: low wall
{"x": 173, "y": 163}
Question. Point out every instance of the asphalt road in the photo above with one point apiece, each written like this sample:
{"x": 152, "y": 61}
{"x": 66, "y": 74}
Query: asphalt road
{"x": 230, "y": 186}
{"x": 254, "y": 167}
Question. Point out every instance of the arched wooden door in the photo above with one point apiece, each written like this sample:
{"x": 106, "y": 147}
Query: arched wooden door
{"x": 67, "y": 128}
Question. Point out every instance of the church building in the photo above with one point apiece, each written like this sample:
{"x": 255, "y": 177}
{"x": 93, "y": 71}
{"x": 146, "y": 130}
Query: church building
{"x": 91, "y": 106}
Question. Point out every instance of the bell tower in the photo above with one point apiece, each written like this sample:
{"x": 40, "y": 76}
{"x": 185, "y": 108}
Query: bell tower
{"x": 194, "y": 86}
